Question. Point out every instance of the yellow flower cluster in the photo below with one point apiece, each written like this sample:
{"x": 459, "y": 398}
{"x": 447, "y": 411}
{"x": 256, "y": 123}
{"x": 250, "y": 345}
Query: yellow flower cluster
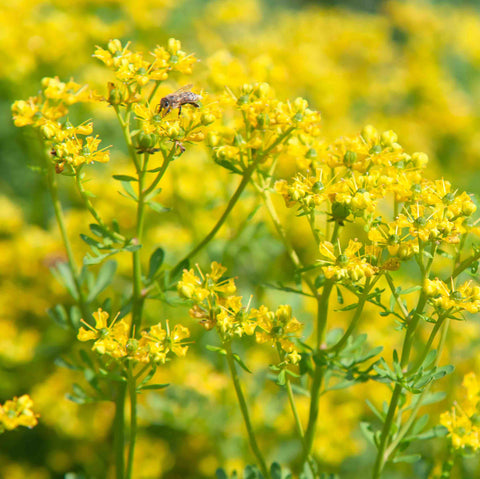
{"x": 187, "y": 127}
{"x": 278, "y": 328}
{"x": 114, "y": 341}
{"x": 463, "y": 420}
{"x": 132, "y": 69}
{"x": 353, "y": 178}
{"x": 450, "y": 299}
{"x": 46, "y": 112}
{"x": 217, "y": 305}
{"x": 265, "y": 126}
{"x": 345, "y": 266}
{"x": 17, "y": 412}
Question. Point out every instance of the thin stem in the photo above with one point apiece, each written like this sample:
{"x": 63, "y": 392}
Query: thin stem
{"x": 53, "y": 188}
{"x": 92, "y": 210}
{"x": 244, "y": 410}
{"x": 166, "y": 161}
{"x": 233, "y": 200}
{"x": 322, "y": 313}
{"x": 125, "y": 124}
{"x": 296, "y": 416}
{"x": 382, "y": 456}
{"x": 413, "y": 415}
{"x": 119, "y": 431}
{"x": 137, "y": 300}
{"x": 465, "y": 264}
{"x": 132, "y": 389}
{"x": 356, "y": 317}
{"x": 396, "y": 296}
{"x": 283, "y": 235}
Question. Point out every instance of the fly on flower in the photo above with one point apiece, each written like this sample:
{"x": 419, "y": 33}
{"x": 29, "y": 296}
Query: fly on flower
{"x": 183, "y": 96}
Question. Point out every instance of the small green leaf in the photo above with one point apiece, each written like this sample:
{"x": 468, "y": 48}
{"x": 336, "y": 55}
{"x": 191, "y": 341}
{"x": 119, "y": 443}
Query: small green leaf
{"x": 409, "y": 458}
{"x": 63, "y": 274}
{"x": 158, "y": 207}
{"x": 104, "y": 278}
{"x": 63, "y": 363}
{"x": 156, "y": 260}
{"x": 59, "y": 314}
{"x": 152, "y": 194}
{"x": 126, "y": 178}
{"x": 216, "y": 349}
{"x": 221, "y": 474}
{"x": 275, "y": 471}
{"x": 129, "y": 190}
{"x": 241, "y": 363}
{"x": 153, "y": 386}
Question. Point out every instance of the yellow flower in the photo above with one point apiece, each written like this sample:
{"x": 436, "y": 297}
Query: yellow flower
{"x": 17, "y": 412}
{"x": 110, "y": 340}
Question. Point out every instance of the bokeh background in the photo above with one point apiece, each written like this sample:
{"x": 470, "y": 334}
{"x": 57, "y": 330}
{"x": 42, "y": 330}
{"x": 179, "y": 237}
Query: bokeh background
{"x": 410, "y": 66}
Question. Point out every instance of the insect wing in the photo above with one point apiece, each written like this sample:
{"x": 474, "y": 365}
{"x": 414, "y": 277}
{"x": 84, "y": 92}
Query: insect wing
{"x": 182, "y": 89}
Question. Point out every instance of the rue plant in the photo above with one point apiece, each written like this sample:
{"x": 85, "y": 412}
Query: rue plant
{"x": 389, "y": 242}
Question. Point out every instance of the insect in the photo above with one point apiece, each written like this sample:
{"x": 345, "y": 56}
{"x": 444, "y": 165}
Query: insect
{"x": 179, "y": 98}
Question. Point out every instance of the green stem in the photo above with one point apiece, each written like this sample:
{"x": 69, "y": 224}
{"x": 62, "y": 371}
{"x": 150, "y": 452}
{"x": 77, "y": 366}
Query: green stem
{"x": 382, "y": 457}
{"x": 283, "y": 235}
{"x": 244, "y": 410}
{"x": 166, "y": 161}
{"x": 92, "y": 210}
{"x": 413, "y": 415}
{"x": 396, "y": 296}
{"x": 322, "y": 314}
{"x": 356, "y": 317}
{"x": 52, "y": 186}
{"x": 465, "y": 264}
{"x": 119, "y": 431}
{"x": 296, "y": 416}
{"x": 233, "y": 200}
{"x": 132, "y": 389}
{"x": 138, "y": 299}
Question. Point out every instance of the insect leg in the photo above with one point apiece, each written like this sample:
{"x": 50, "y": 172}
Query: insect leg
{"x": 179, "y": 110}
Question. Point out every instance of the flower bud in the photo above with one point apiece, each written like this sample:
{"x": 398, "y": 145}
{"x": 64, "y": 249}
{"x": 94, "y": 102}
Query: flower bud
{"x": 370, "y": 134}
{"x": 388, "y": 138}
{"x": 420, "y": 160}
{"x": 145, "y": 141}
{"x": 173, "y": 46}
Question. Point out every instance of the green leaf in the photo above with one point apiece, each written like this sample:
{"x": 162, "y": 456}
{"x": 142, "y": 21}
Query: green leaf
{"x": 63, "y": 274}
{"x": 409, "y": 290}
{"x": 280, "y": 380}
{"x": 221, "y": 474}
{"x": 126, "y": 178}
{"x": 153, "y": 386}
{"x": 97, "y": 230}
{"x": 348, "y": 308}
{"x": 368, "y": 432}
{"x": 104, "y": 278}
{"x": 156, "y": 260}
{"x": 152, "y": 194}
{"x": 340, "y": 299}
{"x": 275, "y": 471}
{"x": 59, "y": 314}
{"x": 63, "y": 363}
{"x": 409, "y": 458}
{"x": 129, "y": 190}
{"x": 75, "y": 317}
{"x": 216, "y": 349}
{"x": 86, "y": 359}
{"x": 241, "y": 363}
{"x": 91, "y": 241}
{"x": 158, "y": 207}
{"x": 375, "y": 411}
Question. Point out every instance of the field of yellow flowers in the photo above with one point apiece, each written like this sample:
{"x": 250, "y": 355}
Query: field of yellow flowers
{"x": 239, "y": 239}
